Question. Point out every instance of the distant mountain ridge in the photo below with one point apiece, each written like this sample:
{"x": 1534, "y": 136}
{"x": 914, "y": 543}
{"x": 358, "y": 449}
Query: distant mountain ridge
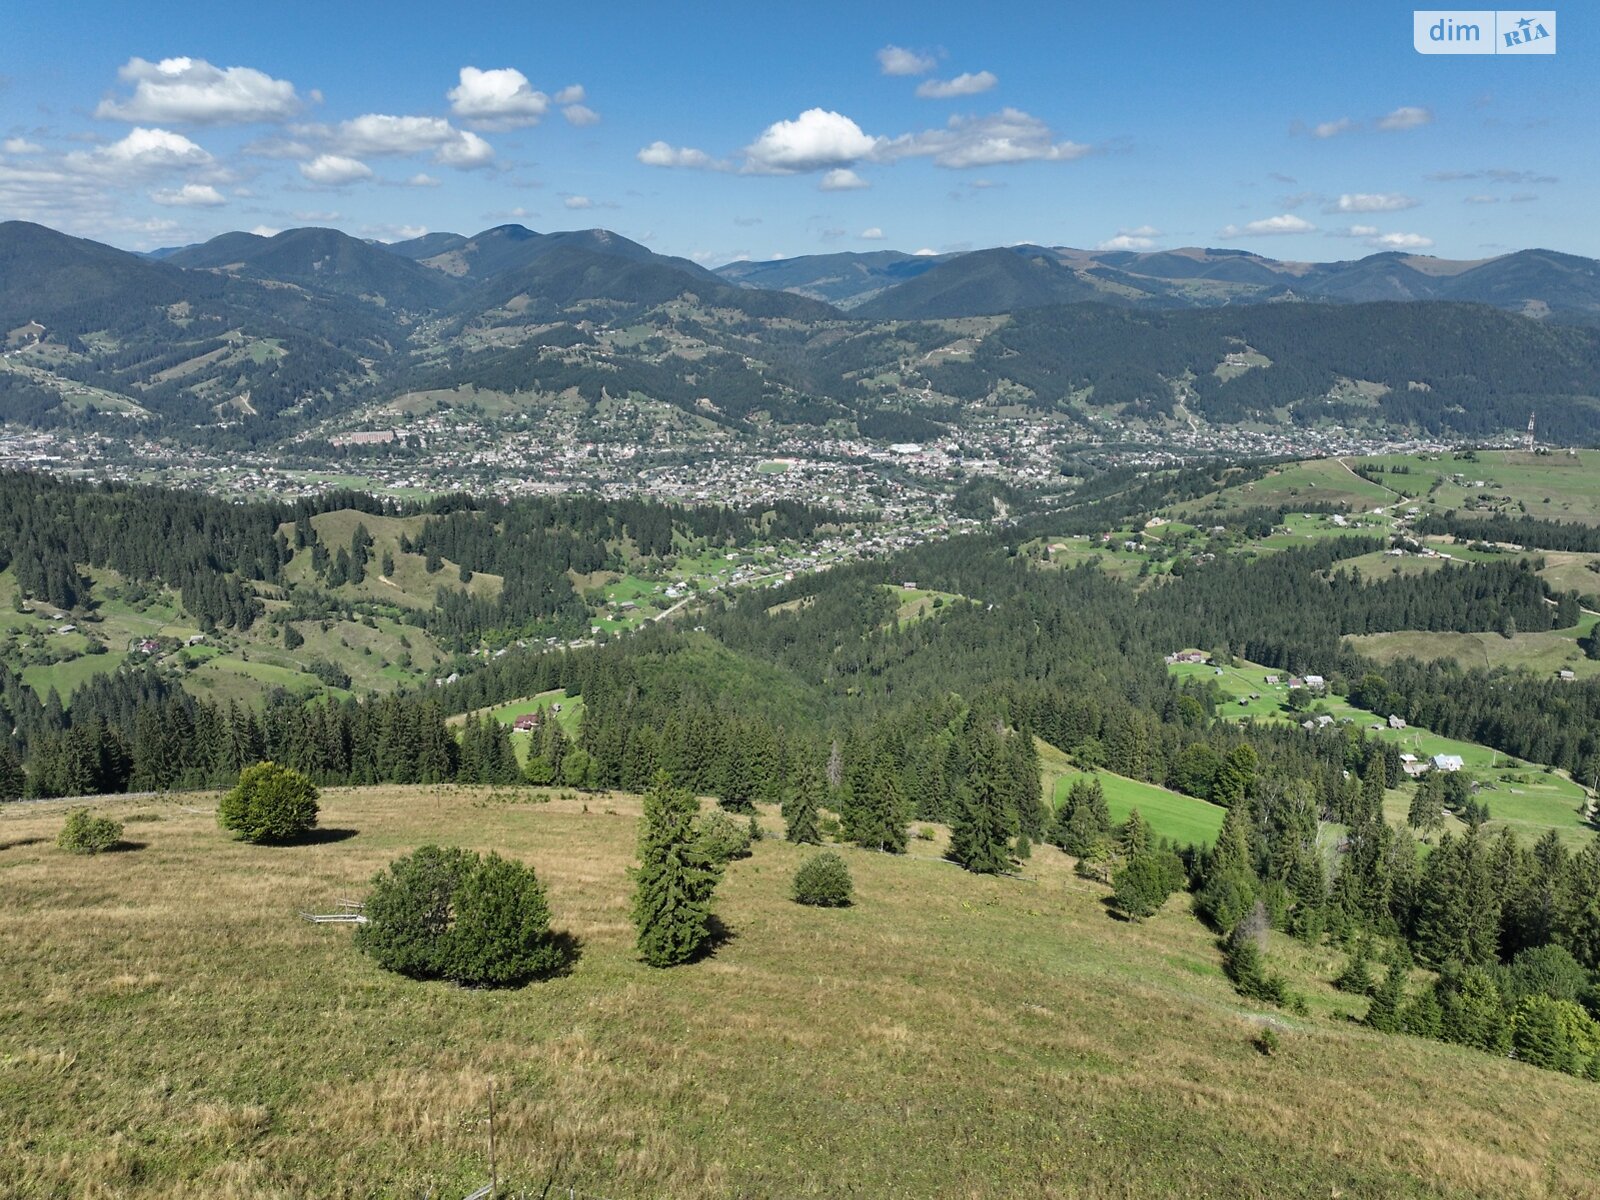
{"x": 252, "y": 339}
{"x": 884, "y": 285}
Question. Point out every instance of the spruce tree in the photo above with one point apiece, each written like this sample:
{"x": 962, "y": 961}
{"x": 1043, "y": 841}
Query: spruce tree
{"x": 1384, "y": 1013}
{"x": 1230, "y": 884}
{"x": 801, "y": 817}
{"x": 1133, "y": 835}
{"x": 979, "y": 840}
{"x": 675, "y": 879}
{"x": 1356, "y": 978}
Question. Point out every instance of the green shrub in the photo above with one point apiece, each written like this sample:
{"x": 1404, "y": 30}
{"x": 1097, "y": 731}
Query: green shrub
{"x": 448, "y": 913}
{"x": 85, "y": 833}
{"x": 721, "y": 838}
{"x": 270, "y": 803}
{"x": 1141, "y": 885}
{"x": 823, "y": 880}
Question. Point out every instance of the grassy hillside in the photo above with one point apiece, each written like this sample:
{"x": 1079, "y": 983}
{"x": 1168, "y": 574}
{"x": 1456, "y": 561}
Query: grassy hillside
{"x": 950, "y": 1035}
{"x": 1186, "y": 820}
{"x": 1526, "y": 797}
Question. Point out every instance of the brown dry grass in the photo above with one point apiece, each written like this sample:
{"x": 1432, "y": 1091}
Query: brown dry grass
{"x": 170, "y": 1027}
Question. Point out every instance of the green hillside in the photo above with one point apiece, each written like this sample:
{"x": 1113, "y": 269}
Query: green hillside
{"x": 949, "y": 1034}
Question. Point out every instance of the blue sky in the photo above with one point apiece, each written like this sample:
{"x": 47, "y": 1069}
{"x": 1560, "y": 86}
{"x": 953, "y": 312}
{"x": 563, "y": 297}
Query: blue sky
{"x": 718, "y": 131}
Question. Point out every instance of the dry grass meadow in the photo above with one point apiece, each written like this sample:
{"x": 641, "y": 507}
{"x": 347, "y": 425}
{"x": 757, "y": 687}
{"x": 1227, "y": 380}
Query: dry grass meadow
{"x": 169, "y": 1027}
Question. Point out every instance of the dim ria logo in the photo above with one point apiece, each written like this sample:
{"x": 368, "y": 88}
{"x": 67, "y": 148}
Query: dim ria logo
{"x": 1484, "y": 31}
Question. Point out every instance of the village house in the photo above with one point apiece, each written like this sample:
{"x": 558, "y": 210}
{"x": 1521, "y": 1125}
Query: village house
{"x": 527, "y": 722}
{"x": 1396, "y": 722}
{"x": 1447, "y": 762}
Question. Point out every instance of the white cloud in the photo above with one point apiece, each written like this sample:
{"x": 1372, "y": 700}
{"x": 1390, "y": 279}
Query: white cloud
{"x": 190, "y": 195}
{"x": 660, "y": 154}
{"x": 1481, "y": 199}
{"x": 925, "y": 252}
{"x": 842, "y": 179}
{"x": 1400, "y": 241}
{"x": 497, "y": 99}
{"x": 1365, "y": 202}
{"x": 573, "y": 93}
{"x": 266, "y": 231}
{"x": 1126, "y": 241}
{"x": 965, "y": 84}
{"x": 871, "y": 235}
{"x": 1409, "y": 117}
{"x": 1362, "y": 231}
{"x": 335, "y": 170}
{"x": 466, "y": 152}
{"x": 580, "y": 115}
{"x": 1285, "y": 223}
{"x": 379, "y": 134}
{"x": 1328, "y": 129}
{"x": 896, "y": 60}
{"x": 1008, "y": 136}
{"x": 422, "y": 179}
{"x": 18, "y": 145}
{"x": 578, "y": 202}
{"x": 191, "y": 90}
{"x": 317, "y": 216}
{"x": 143, "y": 150}
{"x": 816, "y": 139}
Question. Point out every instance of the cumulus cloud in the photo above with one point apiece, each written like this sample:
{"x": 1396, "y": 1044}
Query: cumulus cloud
{"x": 580, "y": 115}
{"x": 660, "y": 154}
{"x": 1378, "y": 240}
{"x": 965, "y": 84}
{"x": 422, "y": 179}
{"x": 1141, "y": 237}
{"x": 465, "y": 152}
{"x": 1126, "y": 241}
{"x": 842, "y": 179}
{"x": 1408, "y": 117}
{"x": 925, "y": 252}
{"x": 1400, "y": 241}
{"x": 379, "y": 134}
{"x": 335, "y": 170}
{"x": 1328, "y": 129}
{"x": 874, "y": 234}
{"x": 1283, "y": 223}
{"x": 573, "y": 93}
{"x": 578, "y": 202}
{"x": 1366, "y": 202}
{"x": 143, "y": 150}
{"x": 190, "y": 195}
{"x": 1008, "y": 136}
{"x": 192, "y": 91}
{"x": 822, "y": 140}
{"x": 501, "y": 98}
{"x": 896, "y": 60}
{"x": 18, "y": 145}
{"x": 817, "y": 139}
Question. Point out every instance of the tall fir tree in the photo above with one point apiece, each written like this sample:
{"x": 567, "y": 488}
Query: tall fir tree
{"x": 675, "y": 879}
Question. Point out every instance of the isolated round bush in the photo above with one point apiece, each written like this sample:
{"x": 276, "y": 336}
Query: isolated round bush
{"x": 721, "y": 838}
{"x": 270, "y": 803}
{"x": 823, "y": 880}
{"x": 447, "y": 913}
{"x": 85, "y": 833}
